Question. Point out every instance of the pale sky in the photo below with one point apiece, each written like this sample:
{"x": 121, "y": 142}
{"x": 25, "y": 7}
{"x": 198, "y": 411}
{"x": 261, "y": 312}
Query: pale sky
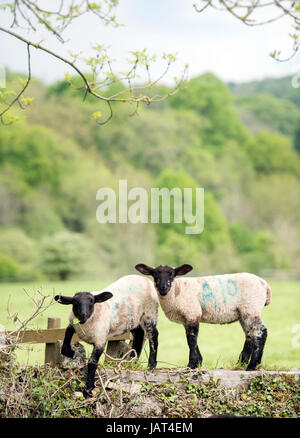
{"x": 212, "y": 41}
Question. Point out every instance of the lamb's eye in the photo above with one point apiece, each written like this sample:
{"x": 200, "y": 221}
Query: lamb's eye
{"x": 168, "y": 283}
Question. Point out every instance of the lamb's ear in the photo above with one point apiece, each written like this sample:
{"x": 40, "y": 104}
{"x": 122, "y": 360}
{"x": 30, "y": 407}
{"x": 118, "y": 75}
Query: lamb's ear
{"x": 63, "y": 299}
{"x": 103, "y": 296}
{"x": 144, "y": 269}
{"x": 183, "y": 269}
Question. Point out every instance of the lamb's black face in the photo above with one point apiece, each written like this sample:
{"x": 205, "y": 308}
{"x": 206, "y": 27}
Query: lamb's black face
{"x": 83, "y": 306}
{"x": 163, "y": 276}
{"x": 83, "y": 303}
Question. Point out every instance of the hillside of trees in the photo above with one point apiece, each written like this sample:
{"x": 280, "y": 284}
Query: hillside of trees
{"x": 240, "y": 142}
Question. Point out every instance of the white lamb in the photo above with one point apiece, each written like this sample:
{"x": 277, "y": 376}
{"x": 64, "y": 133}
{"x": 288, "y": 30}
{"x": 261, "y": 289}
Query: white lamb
{"x": 218, "y": 299}
{"x": 130, "y": 304}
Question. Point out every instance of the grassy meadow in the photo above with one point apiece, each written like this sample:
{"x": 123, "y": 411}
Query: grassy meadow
{"x": 219, "y": 345}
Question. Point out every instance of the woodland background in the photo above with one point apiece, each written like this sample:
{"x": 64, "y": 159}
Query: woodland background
{"x": 241, "y": 142}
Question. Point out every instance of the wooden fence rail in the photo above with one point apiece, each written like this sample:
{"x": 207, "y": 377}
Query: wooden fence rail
{"x": 50, "y": 337}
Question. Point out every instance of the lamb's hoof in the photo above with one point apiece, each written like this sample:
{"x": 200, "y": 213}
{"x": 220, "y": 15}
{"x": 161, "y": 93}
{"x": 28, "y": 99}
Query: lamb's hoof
{"x": 196, "y": 362}
{"x": 87, "y": 393}
{"x": 194, "y": 365}
{"x": 152, "y": 366}
{"x": 250, "y": 368}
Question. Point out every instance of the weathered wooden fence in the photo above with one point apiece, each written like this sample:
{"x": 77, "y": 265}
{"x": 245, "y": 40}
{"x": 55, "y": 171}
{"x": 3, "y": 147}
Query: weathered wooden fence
{"x": 51, "y": 336}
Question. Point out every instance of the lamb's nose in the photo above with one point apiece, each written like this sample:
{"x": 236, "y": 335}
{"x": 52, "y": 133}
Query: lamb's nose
{"x": 83, "y": 319}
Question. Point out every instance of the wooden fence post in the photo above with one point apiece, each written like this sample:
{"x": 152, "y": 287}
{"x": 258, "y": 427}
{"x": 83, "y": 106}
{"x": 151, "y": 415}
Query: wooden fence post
{"x": 50, "y": 350}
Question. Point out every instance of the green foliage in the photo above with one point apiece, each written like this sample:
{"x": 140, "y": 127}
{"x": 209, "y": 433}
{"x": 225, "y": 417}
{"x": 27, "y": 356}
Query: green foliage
{"x": 176, "y": 245}
{"x": 271, "y": 153}
{"x": 266, "y": 396}
{"x": 52, "y": 165}
{"x": 266, "y": 252}
{"x": 40, "y": 217}
{"x": 211, "y": 99}
{"x": 52, "y": 393}
{"x": 63, "y": 255}
{"x": 18, "y": 245}
{"x": 9, "y": 268}
{"x": 279, "y": 87}
{"x": 297, "y": 140}
{"x": 280, "y": 115}
{"x": 215, "y": 223}
{"x": 13, "y": 191}
{"x": 174, "y": 249}
{"x": 242, "y": 237}
{"x": 150, "y": 141}
{"x": 34, "y": 152}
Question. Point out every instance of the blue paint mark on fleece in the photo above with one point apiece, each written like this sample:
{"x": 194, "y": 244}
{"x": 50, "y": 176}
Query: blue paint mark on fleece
{"x": 133, "y": 288}
{"x": 222, "y": 290}
{"x": 208, "y": 294}
{"x": 235, "y": 290}
{"x": 114, "y": 309}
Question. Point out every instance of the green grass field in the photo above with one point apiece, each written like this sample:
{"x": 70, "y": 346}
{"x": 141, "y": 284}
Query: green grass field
{"x": 219, "y": 345}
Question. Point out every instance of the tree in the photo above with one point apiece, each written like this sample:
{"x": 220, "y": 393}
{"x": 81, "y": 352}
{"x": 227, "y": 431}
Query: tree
{"x": 19, "y": 246}
{"x": 35, "y": 152}
{"x": 273, "y": 153}
{"x": 64, "y": 254}
{"x": 242, "y": 237}
{"x": 36, "y": 17}
{"x": 278, "y": 114}
{"x": 297, "y": 140}
{"x": 215, "y": 231}
{"x": 9, "y": 268}
{"x": 210, "y": 98}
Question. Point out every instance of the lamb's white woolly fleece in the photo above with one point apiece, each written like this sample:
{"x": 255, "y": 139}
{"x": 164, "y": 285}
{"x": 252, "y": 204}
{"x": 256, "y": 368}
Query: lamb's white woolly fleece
{"x": 134, "y": 303}
{"x": 217, "y": 299}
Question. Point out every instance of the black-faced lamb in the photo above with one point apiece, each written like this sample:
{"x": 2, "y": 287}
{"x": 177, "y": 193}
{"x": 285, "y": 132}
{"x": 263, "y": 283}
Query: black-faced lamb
{"x": 218, "y": 299}
{"x": 129, "y": 304}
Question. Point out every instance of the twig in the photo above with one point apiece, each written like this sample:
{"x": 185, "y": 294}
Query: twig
{"x": 92, "y": 87}
{"x": 39, "y": 307}
{"x": 118, "y": 371}
{"x": 16, "y": 99}
{"x": 251, "y": 6}
{"x": 244, "y": 11}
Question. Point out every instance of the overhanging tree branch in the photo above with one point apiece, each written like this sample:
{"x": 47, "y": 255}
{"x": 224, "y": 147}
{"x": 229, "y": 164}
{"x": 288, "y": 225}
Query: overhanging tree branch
{"x": 55, "y": 22}
{"x": 92, "y": 87}
{"x": 247, "y": 11}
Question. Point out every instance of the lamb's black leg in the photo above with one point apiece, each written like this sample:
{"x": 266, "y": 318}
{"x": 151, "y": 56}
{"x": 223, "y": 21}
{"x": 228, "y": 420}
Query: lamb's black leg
{"x": 246, "y": 352}
{"x": 92, "y": 367}
{"x": 152, "y": 334}
{"x": 195, "y": 357}
{"x": 258, "y": 346}
{"x": 66, "y": 349}
{"x": 138, "y": 340}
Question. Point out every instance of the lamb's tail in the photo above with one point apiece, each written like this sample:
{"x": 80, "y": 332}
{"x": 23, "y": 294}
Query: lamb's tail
{"x": 268, "y": 291}
{"x": 269, "y": 294}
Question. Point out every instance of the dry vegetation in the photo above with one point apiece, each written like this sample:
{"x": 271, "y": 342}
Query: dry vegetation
{"x": 40, "y": 392}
